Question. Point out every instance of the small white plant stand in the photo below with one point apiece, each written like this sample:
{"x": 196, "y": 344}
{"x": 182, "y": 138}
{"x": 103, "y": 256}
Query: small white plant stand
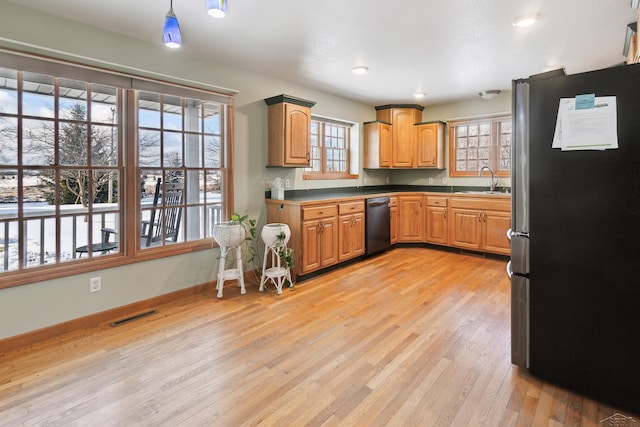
{"x": 229, "y": 237}
{"x": 277, "y": 274}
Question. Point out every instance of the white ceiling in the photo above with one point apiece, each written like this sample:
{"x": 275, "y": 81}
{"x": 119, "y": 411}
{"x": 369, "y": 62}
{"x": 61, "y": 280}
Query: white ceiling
{"x": 449, "y": 49}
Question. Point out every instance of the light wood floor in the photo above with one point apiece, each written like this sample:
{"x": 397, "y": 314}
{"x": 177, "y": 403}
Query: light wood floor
{"x": 413, "y": 337}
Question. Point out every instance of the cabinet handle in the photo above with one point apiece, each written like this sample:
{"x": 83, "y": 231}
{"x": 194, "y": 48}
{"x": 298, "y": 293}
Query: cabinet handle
{"x": 308, "y": 156}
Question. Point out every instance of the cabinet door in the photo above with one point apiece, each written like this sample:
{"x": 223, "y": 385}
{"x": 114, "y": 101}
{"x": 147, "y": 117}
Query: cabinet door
{"x": 311, "y": 245}
{"x": 496, "y": 225}
{"x": 393, "y": 220}
{"x": 297, "y": 134}
{"x": 351, "y": 236}
{"x": 427, "y": 138}
{"x": 403, "y": 137}
{"x": 410, "y": 219}
{"x": 329, "y": 242}
{"x": 377, "y": 145}
{"x": 466, "y": 228}
{"x": 437, "y": 225}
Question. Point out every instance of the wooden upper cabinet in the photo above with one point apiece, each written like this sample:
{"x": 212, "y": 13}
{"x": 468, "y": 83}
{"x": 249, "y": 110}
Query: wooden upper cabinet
{"x": 430, "y": 145}
{"x": 289, "y": 125}
{"x": 377, "y": 145}
{"x": 403, "y": 137}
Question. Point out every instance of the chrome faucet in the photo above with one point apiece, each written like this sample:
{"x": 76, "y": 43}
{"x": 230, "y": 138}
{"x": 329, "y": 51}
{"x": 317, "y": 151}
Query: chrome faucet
{"x": 494, "y": 181}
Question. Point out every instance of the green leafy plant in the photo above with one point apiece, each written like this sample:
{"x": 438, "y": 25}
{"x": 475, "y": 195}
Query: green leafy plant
{"x": 249, "y": 251}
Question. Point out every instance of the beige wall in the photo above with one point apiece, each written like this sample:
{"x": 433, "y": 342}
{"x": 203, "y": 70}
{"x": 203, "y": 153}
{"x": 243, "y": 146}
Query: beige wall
{"x": 34, "y": 306}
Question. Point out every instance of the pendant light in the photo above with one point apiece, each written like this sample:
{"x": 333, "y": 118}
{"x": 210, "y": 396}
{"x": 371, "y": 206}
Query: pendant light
{"x": 217, "y": 8}
{"x": 172, "y": 36}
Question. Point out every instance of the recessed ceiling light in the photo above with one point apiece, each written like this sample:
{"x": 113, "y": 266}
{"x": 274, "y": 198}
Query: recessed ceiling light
{"x": 360, "y": 69}
{"x": 419, "y": 95}
{"x": 526, "y": 20}
{"x": 489, "y": 94}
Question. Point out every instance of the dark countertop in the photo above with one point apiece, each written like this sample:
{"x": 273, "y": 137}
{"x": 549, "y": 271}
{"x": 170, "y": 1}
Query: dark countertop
{"x": 346, "y": 192}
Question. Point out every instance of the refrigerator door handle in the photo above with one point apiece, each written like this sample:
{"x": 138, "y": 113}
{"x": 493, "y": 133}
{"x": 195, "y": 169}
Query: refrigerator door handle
{"x": 509, "y": 271}
{"x": 512, "y": 233}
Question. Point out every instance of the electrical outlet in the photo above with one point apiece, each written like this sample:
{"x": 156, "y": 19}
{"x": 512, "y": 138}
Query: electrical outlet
{"x": 430, "y": 180}
{"x": 444, "y": 179}
{"x": 387, "y": 180}
{"x": 267, "y": 184}
{"x": 95, "y": 284}
{"x": 287, "y": 183}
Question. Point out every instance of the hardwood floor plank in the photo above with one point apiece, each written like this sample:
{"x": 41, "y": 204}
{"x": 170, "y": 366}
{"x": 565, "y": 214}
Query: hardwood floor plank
{"x": 410, "y": 337}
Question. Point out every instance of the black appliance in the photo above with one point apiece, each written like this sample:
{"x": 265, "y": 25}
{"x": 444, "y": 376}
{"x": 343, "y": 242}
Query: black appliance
{"x": 575, "y": 241}
{"x": 377, "y": 225}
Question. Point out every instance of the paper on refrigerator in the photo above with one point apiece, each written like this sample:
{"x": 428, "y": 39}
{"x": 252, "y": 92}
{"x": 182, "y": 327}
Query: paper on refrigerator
{"x": 586, "y": 128}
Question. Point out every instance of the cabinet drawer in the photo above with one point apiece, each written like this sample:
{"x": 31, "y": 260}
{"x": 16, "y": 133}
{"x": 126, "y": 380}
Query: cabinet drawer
{"x": 316, "y": 212}
{"x": 488, "y": 203}
{"x": 437, "y": 201}
{"x": 351, "y": 207}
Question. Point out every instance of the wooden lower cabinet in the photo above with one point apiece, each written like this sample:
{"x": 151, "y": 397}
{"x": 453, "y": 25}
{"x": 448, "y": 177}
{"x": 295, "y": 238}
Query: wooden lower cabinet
{"x": 319, "y": 237}
{"x": 437, "y": 230}
{"x": 351, "y": 232}
{"x": 496, "y": 225}
{"x": 324, "y": 234}
{"x": 393, "y": 220}
{"x": 410, "y": 218}
{"x": 480, "y": 224}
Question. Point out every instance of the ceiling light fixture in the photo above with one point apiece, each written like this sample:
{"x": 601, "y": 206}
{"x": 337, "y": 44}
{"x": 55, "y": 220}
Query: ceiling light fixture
{"x": 360, "y": 69}
{"x": 526, "y": 20}
{"x": 489, "y": 94}
{"x": 217, "y": 8}
{"x": 171, "y": 31}
{"x": 419, "y": 95}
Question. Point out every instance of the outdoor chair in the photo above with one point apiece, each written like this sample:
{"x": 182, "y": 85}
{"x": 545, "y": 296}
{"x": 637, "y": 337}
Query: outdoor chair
{"x": 164, "y": 222}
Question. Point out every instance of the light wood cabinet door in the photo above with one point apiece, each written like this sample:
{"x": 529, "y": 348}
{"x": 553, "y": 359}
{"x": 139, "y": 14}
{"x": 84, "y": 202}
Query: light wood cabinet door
{"x": 430, "y": 145}
{"x": 437, "y": 225}
{"x": 310, "y": 246}
{"x": 351, "y": 236}
{"x": 393, "y": 223}
{"x": 297, "y": 135}
{"x": 410, "y": 219}
{"x": 466, "y": 228}
{"x": 319, "y": 244}
{"x": 329, "y": 242}
{"x": 403, "y": 137}
{"x": 495, "y": 237}
{"x": 377, "y": 145}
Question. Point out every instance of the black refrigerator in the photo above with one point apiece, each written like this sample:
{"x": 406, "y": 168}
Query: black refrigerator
{"x": 575, "y": 238}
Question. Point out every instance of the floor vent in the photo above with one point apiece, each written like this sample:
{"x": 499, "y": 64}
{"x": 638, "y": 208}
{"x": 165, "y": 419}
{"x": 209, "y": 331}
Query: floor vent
{"x": 132, "y": 318}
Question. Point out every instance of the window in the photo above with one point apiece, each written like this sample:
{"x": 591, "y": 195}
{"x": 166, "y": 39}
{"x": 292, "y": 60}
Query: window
{"x": 477, "y": 143}
{"x": 331, "y": 150}
{"x": 180, "y": 141}
{"x": 77, "y": 145}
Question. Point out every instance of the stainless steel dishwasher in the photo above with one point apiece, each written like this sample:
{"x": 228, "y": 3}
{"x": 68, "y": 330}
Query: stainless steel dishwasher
{"x": 377, "y": 225}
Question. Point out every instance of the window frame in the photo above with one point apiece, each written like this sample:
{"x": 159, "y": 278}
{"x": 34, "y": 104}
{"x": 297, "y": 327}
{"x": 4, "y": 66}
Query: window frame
{"x": 129, "y": 248}
{"x": 351, "y": 136}
{"x": 494, "y": 121}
